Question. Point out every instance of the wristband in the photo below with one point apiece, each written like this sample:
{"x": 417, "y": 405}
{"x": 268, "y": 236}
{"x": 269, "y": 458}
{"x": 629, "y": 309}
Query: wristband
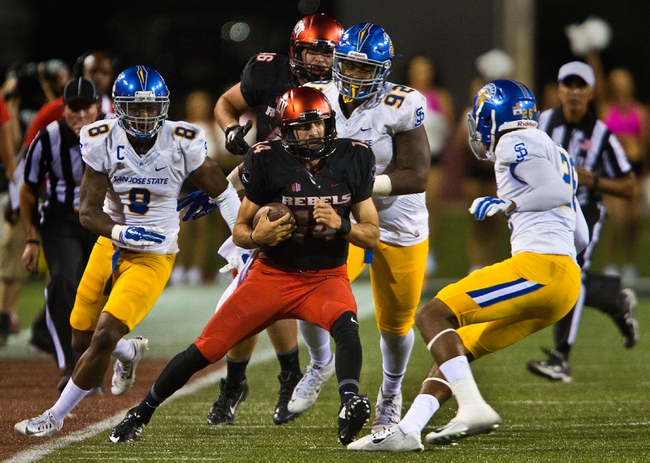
{"x": 345, "y": 227}
{"x": 36, "y": 242}
{"x": 382, "y": 186}
{"x": 253, "y": 241}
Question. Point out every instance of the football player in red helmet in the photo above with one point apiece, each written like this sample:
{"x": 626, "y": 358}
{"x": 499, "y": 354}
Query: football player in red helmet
{"x": 311, "y": 47}
{"x": 298, "y": 265}
{"x": 307, "y": 125}
{"x": 264, "y": 80}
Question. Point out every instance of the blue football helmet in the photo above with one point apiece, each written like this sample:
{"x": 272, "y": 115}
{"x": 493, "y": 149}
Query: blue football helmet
{"x": 367, "y": 44}
{"x": 141, "y": 101}
{"x": 500, "y": 105}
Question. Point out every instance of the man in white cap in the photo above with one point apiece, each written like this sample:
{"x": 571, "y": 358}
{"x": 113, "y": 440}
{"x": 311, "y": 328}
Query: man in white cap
{"x": 602, "y": 167}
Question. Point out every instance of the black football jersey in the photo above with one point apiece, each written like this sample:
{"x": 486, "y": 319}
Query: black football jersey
{"x": 271, "y": 174}
{"x": 266, "y": 77}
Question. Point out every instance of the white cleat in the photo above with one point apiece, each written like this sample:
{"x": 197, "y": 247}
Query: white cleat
{"x": 42, "y": 426}
{"x": 477, "y": 421}
{"x": 306, "y": 391}
{"x": 390, "y": 439}
{"x": 388, "y": 411}
{"x": 124, "y": 373}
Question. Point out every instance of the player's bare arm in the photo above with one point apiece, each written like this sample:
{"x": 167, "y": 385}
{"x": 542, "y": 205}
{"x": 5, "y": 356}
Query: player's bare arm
{"x": 92, "y": 193}
{"x": 623, "y": 187}
{"x": 28, "y": 211}
{"x": 230, "y": 106}
{"x": 210, "y": 178}
{"x": 266, "y": 232}
{"x": 413, "y": 162}
{"x": 364, "y": 233}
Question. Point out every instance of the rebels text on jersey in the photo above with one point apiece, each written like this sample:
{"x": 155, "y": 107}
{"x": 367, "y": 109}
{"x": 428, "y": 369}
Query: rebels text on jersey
{"x": 270, "y": 174}
{"x": 143, "y": 189}
{"x": 266, "y": 77}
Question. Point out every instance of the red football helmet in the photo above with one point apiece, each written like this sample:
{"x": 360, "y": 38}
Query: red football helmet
{"x": 298, "y": 106}
{"x": 313, "y": 31}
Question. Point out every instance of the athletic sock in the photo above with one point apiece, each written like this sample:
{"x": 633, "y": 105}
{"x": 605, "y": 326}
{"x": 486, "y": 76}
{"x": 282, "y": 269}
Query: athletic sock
{"x": 236, "y": 370}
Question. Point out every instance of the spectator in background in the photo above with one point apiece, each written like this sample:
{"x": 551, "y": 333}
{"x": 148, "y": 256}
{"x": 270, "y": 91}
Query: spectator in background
{"x": 438, "y": 123}
{"x": 24, "y": 96}
{"x": 485, "y": 235}
{"x": 7, "y": 158}
{"x": 196, "y": 240}
{"x": 627, "y": 118}
{"x": 98, "y": 66}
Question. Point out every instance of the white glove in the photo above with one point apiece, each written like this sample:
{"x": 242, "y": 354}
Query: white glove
{"x": 237, "y": 263}
{"x": 487, "y": 206}
{"x": 137, "y": 236}
{"x": 236, "y": 256}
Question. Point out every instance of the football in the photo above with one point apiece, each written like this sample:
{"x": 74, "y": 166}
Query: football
{"x": 276, "y": 210}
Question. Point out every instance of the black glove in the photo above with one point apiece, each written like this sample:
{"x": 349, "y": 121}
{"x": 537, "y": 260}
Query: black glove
{"x": 235, "y": 134}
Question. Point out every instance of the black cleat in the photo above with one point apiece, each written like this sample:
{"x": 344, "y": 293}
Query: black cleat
{"x": 287, "y": 385}
{"x": 352, "y": 416}
{"x": 625, "y": 319}
{"x": 556, "y": 368}
{"x": 223, "y": 410}
{"x": 129, "y": 429}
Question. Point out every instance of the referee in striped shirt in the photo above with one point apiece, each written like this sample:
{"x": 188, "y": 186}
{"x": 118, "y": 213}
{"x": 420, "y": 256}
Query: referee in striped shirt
{"x": 602, "y": 167}
{"x": 53, "y": 158}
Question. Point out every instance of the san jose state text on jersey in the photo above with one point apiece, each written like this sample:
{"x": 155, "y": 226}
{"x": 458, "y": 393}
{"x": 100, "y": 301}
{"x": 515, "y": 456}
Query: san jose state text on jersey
{"x": 144, "y": 187}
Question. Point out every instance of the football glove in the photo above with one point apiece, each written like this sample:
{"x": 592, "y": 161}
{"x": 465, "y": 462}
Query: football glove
{"x": 137, "y": 236}
{"x": 487, "y": 206}
{"x": 238, "y": 262}
{"x": 235, "y": 134}
{"x": 198, "y": 204}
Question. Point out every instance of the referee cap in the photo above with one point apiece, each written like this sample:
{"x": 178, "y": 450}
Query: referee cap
{"x": 79, "y": 88}
{"x": 577, "y": 68}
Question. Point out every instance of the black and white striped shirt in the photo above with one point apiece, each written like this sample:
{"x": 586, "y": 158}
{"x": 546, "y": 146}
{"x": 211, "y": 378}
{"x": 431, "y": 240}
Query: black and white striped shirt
{"x": 54, "y": 157}
{"x": 591, "y": 145}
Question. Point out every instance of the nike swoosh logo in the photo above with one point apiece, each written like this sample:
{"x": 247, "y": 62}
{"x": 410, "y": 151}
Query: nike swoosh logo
{"x": 158, "y": 169}
{"x": 114, "y": 439}
{"x": 365, "y": 130}
{"x": 334, "y": 185}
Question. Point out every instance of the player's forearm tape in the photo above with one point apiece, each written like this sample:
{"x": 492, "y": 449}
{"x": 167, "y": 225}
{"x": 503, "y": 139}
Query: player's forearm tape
{"x": 235, "y": 179}
{"x": 383, "y": 185}
{"x": 345, "y": 227}
{"x": 115, "y": 232}
{"x": 228, "y": 202}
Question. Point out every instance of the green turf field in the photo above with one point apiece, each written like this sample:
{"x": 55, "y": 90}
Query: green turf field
{"x": 603, "y": 415}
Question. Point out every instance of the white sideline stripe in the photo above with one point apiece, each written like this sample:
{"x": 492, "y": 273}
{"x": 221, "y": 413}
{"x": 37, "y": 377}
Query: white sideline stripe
{"x": 365, "y": 310}
{"x": 92, "y": 430}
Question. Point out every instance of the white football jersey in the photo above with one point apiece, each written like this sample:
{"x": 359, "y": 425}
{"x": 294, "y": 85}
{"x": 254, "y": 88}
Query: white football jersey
{"x": 144, "y": 189}
{"x": 403, "y": 219}
{"x": 546, "y": 232}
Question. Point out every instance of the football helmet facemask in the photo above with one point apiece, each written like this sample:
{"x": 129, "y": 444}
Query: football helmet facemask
{"x": 301, "y": 105}
{"x": 499, "y": 106}
{"x": 141, "y": 101}
{"x": 367, "y": 44}
{"x": 313, "y": 31}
